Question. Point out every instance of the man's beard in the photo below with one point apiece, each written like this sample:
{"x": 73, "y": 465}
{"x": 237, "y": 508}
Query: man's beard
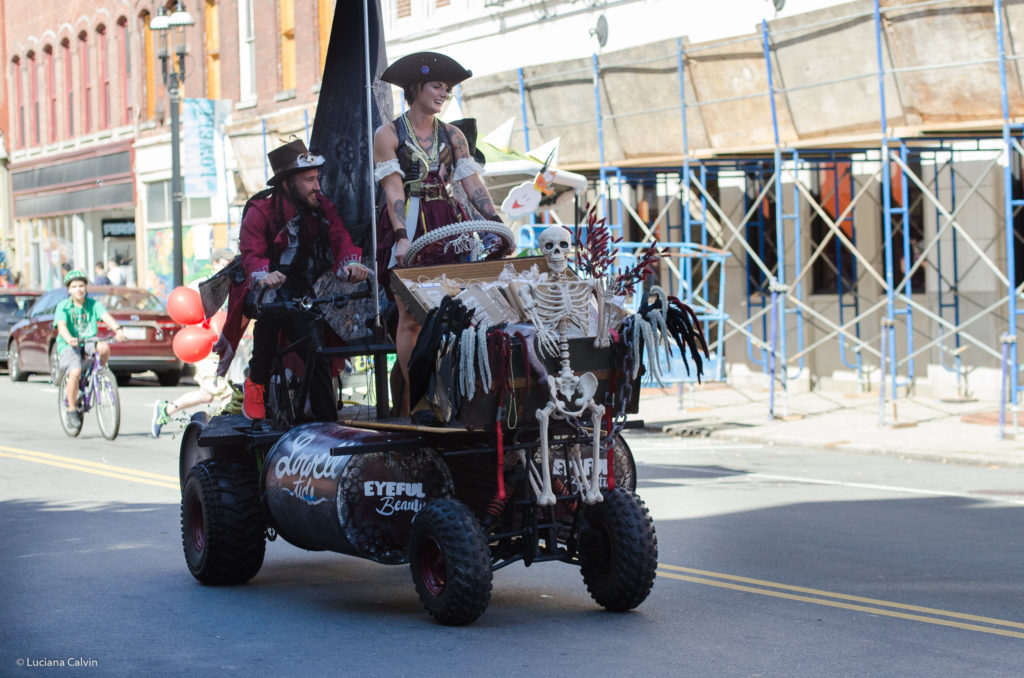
{"x": 302, "y": 202}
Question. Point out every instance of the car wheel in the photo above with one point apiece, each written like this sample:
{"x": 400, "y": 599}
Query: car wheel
{"x": 169, "y": 378}
{"x": 14, "y": 363}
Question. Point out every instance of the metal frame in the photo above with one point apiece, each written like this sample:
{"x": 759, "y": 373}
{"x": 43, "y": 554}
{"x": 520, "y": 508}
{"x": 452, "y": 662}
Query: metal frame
{"x": 896, "y": 170}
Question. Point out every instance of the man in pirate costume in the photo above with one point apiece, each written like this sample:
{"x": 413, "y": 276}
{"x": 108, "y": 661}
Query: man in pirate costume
{"x": 290, "y": 236}
{"x": 417, "y": 159}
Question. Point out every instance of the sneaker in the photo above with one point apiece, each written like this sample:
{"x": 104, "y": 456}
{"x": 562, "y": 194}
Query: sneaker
{"x": 160, "y": 417}
{"x": 252, "y": 404}
{"x": 74, "y": 418}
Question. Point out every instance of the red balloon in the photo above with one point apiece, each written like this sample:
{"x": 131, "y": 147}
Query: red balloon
{"x": 192, "y": 344}
{"x": 185, "y": 306}
{"x": 217, "y": 322}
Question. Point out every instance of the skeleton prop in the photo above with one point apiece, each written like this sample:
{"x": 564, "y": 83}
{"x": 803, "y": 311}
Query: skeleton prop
{"x": 554, "y": 304}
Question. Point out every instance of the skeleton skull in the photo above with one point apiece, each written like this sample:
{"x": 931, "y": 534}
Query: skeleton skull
{"x": 554, "y": 245}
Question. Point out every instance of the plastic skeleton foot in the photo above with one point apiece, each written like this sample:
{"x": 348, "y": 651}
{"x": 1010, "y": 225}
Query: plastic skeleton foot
{"x": 554, "y": 304}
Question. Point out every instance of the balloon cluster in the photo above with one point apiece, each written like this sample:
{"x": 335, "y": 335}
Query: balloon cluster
{"x": 194, "y": 341}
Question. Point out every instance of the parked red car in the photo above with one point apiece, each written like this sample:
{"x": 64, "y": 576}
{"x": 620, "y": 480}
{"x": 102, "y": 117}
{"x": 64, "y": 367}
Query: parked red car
{"x": 31, "y": 348}
{"x": 14, "y": 305}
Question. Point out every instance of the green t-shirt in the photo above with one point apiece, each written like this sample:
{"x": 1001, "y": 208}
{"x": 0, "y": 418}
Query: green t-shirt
{"x": 82, "y": 321}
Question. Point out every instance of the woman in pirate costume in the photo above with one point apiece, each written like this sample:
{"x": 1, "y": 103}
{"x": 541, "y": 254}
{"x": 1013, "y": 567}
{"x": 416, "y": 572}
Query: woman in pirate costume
{"x": 417, "y": 159}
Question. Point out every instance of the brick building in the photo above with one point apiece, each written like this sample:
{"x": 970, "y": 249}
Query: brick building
{"x": 84, "y": 119}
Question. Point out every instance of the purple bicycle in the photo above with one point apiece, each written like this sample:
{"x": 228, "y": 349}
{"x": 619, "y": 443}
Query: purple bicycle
{"x": 97, "y": 388}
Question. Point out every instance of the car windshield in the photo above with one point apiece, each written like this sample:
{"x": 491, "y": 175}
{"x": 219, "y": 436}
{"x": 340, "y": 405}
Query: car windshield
{"x": 9, "y": 303}
{"x": 129, "y": 300}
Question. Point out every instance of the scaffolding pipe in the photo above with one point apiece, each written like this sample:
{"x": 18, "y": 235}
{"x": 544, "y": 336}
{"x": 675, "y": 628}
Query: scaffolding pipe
{"x": 1008, "y": 204}
{"x": 522, "y": 107}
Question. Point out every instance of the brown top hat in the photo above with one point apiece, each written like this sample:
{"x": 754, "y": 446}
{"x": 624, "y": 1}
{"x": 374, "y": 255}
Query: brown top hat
{"x": 291, "y": 158}
{"x": 425, "y": 67}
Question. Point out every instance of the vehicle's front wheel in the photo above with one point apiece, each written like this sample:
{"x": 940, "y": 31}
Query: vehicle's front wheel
{"x": 14, "y": 363}
{"x": 450, "y": 562}
{"x": 222, "y": 529}
{"x": 108, "y": 404}
{"x": 618, "y": 551}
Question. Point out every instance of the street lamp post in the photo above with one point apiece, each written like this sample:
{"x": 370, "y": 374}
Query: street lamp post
{"x": 170, "y": 29}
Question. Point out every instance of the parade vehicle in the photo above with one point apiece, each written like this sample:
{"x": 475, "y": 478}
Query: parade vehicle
{"x": 524, "y": 375}
{"x": 498, "y": 482}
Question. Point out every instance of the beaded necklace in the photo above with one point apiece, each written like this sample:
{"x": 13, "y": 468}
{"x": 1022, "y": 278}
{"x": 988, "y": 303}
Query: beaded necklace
{"x": 428, "y": 158}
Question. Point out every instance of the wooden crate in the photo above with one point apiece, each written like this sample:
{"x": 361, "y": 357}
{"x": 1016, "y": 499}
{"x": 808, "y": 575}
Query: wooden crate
{"x": 481, "y": 270}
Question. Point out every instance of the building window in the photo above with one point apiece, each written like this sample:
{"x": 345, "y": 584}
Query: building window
{"x": 125, "y": 69}
{"x": 33, "y": 97}
{"x": 247, "y": 51}
{"x": 19, "y": 103}
{"x": 325, "y": 19}
{"x": 403, "y": 8}
{"x": 69, "y": 111}
{"x": 51, "y": 96}
{"x": 70, "y": 108}
{"x": 158, "y": 205}
{"x": 86, "y": 84}
{"x": 211, "y": 27}
{"x": 835, "y": 270}
{"x": 149, "y": 59}
{"x": 101, "y": 39}
{"x": 286, "y": 23}
{"x": 443, "y": 3}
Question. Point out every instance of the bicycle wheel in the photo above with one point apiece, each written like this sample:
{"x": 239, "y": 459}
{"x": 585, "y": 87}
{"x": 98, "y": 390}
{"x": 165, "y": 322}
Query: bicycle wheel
{"x": 279, "y": 401}
{"x": 107, "y": 403}
{"x": 71, "y": 428}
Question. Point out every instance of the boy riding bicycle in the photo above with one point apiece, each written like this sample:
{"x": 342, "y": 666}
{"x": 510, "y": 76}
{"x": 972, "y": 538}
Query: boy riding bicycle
{"x": 76, "y": 319}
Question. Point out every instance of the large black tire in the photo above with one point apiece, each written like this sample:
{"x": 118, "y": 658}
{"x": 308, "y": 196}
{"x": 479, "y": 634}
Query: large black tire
{"x": 618, "y": 551}
{"x": 450, "y": 562}
{"x": 14, "y": 364}
{"x": 222, "y": 528}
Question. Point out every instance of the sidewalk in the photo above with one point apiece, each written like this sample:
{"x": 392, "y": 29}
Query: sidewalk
{"x": 924, "y": 428}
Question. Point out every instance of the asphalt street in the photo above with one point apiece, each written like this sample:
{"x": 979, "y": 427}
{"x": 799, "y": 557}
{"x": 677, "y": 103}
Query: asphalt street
{"x": 774, "y": 561}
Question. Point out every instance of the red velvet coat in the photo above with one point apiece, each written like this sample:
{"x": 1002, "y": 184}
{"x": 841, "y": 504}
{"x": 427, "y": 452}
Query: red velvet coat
{"x": 262, "y": 230}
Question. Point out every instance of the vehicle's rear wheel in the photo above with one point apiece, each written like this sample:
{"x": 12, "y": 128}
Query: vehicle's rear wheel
{"x": 54, "y": 364}
{"x": 191, "y": 453}
{"x": 14, "y": 363}
{"x": 618, "y": 551}
{"x": 450, "y": 562}
{"x": 222, "y": 528}
{"x": 71, "y": 428}
{"x": 170, "y": 378}
{"x": 108, "y": 404}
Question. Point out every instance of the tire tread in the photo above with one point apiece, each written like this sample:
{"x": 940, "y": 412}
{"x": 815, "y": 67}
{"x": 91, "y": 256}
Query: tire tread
{"x": 235, "y": 543}
{"x": 633, "y": 560}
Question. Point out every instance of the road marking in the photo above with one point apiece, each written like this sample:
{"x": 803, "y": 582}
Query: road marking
{"x": 739, "y": 474}
{"x": 831, "y": 599}
{"x": 86, "y": 466}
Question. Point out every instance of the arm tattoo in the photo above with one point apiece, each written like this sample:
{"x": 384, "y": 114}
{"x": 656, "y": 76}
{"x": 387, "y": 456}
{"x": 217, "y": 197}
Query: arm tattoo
{"x": 481, "y": 200}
